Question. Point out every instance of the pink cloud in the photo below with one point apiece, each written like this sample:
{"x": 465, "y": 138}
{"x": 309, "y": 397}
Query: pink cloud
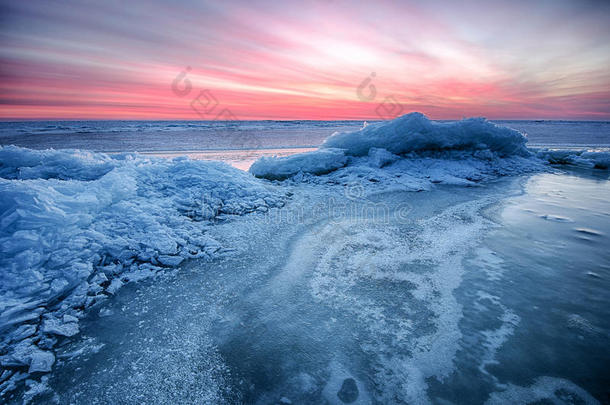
{"x": 280, "y": 62}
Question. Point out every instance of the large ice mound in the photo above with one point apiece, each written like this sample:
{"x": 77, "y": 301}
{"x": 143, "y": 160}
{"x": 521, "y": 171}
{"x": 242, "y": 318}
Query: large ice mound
{"x": 414, "y": 152}
{"x": 414, "y": 132}
{"x": 75, "y": 226}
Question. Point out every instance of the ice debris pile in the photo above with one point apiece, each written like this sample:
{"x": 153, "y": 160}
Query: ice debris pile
{"x": 76, "y": 226}
{"x": 414, "y": 132}
{"x": 413, "y": 147}
{"x": 417, "y": 152}
{"x": 583, "y": 158}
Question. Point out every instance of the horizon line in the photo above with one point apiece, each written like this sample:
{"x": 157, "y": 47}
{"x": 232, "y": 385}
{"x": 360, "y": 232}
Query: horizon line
{"x": 374, "y": 119}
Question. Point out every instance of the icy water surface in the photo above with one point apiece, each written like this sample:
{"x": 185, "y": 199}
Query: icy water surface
{"x": 493, "y": 294}
{"x": 241, "y": 142}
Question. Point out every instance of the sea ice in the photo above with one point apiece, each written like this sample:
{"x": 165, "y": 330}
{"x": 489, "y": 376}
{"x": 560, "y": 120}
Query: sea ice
{"x": 583, "y": 158}
{"x": 318, "y": 162}
{"x": 543, "y": 390}
{"x": 461, "y": 153}
{"x": 75, "y": 226}
{"x": 41, "y": 361}
{"x": 413, "y": 151}
{"x": 56, "y": 327}
{"x": 414, "y": 132}
{"x": 344, "y": 388}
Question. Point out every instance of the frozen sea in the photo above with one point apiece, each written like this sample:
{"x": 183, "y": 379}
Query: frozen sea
{"x": 241, "y": 142}
{"x": 433, "y": 278}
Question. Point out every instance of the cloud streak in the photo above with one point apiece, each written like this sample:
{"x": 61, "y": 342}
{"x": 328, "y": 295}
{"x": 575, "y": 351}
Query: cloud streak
{"x": 108, "y": 60}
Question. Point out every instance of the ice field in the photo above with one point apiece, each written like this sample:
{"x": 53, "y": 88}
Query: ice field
{"x": 410, "y": 261}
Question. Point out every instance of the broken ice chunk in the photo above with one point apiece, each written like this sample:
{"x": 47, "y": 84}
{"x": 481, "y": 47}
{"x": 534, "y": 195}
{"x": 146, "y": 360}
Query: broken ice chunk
{"x": 56, "y": 327}
{"x": 42, "y": 362}
{"x": 171, "y": 261}
{"x": 114, "y": 286}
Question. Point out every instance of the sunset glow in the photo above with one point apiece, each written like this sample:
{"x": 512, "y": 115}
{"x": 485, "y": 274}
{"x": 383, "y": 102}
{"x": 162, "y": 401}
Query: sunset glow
{"x": 265, "y": 60}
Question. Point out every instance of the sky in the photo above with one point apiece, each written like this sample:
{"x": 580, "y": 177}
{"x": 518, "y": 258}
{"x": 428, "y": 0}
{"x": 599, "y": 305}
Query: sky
{"x": 322, "y": 59}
